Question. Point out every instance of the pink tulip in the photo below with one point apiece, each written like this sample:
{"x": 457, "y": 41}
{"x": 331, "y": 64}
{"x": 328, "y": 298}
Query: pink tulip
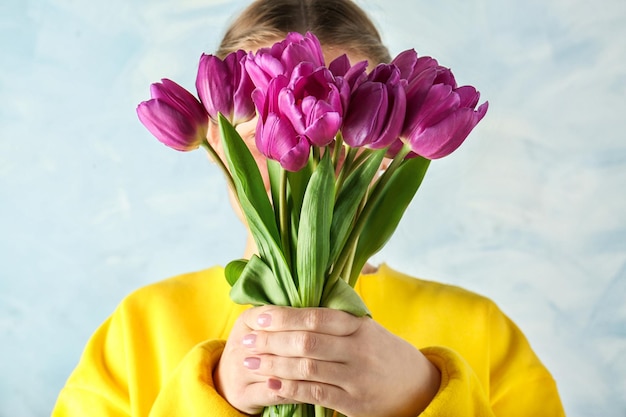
{"x": 443, "y": 121}
{"x": 174, "y": 116}
{"x": 283, "y": 57}
{"x": 377, "y": 109}
{"x": 275, "y": 135}
{"x": 347, "y": 77}
{"x": 225, "y": 87}
{"x": 439, "y": 115}
{"x": 312, "y": 103}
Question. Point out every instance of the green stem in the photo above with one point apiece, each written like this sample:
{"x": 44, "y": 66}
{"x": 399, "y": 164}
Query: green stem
{"x": 216, "y": 158}
{"x": 316, "y": 155}
{"x": 285, "y": 227}
{"x": 337, "y": 150}
{"x": 378, "y": 187}
{"x": 345, "y": 168}
{"x": 347, "y": 268}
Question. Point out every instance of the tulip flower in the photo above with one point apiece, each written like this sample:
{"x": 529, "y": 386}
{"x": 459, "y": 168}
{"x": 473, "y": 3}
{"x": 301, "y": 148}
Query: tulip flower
{"x": 347, "y": 77}
{"x": 377, "y": 109}
{"x": 275, "y": 135}
{"x": 225, "y": 87}
{"x": 443, "y": 121}
{"x": 174, "y": 116}
{"x": 421, "y": 73}
{"x": 312, "y": 103}
{"x": 283, "y": 57}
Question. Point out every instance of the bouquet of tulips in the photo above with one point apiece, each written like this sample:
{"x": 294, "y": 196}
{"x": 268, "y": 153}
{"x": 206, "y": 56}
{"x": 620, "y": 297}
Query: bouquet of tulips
{"x": 325, "y": 130}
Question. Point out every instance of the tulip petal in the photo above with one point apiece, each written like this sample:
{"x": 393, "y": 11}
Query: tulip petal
{"x": 170, "y": 126}
{"x": 297, "y": 157}
{"x": 468, "y": 96}
{"x": 442, "y": 139}
{"x": 394, "y": 119}
{"x": 323, "y": 130}
{"x": 288, "y": 107}
{"x": 214, "y": 86}
{"x": 365, "y": 117}
{"x": 340, "y": 65}
{"x": 405, "y": 61}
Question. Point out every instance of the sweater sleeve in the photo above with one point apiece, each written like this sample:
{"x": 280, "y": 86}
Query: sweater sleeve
{"x": 518, "y": 384}
{"x": 103, "y": 383}
{"x": 190, "y": 390}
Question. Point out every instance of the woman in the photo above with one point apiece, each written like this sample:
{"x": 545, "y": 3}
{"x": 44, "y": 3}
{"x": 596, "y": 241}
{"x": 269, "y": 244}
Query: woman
{"x": 181, "y": 347}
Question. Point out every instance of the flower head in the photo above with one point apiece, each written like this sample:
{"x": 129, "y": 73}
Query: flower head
{"x": 275, "y": 136}
{"x": 174, "y": 116}
{"x": 445, "y": 118}
{"x": 347, "y": 77}
{"x": 225, "y": 87}
{"x": 283, "y": 57}
{"x": 312, "y": 103}
{"x": 377, "y": 109}
{"x": 439, "y": 115}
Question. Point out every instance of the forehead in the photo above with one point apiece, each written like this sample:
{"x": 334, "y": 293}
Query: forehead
{"x": 331, "y": 52}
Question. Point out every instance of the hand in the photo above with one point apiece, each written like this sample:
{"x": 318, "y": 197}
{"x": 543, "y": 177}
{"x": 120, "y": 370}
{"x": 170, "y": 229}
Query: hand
{"x": 284, "y": 355}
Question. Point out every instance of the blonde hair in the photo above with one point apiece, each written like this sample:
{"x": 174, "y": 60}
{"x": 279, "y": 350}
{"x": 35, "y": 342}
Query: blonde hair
{"x": 336, "y": 23}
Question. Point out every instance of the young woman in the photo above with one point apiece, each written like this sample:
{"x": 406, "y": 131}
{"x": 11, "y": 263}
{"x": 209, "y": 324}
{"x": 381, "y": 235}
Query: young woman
{"x": 182, "y": 347}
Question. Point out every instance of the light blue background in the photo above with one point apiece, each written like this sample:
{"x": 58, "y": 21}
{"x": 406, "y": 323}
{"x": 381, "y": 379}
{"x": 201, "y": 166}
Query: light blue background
{"x": 530, "y": 211}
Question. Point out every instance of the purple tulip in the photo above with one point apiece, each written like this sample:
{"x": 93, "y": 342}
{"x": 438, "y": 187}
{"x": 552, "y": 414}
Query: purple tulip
{"x": 377, "y": 109}
{"x": 225, "y": 87}
{"x": 174, "y": 116}
{"x": 443, "y": 121}
{"x": 283, "y": 57}
{"x": 347, "y": 77}
{"x": 275, "y": 135}
{"x": 421, "y": 73}
{"x": 312, "y": 103}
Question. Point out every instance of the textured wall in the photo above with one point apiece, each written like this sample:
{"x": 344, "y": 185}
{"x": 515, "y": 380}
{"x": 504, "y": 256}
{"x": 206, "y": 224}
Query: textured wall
{"x": 530, "y": 211}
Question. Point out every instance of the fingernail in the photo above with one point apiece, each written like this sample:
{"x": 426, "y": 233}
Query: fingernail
{"x": 252, "y": 363}
{"x": 264, "y": 320}
{"x": 249, "y": 340}
{"x": 274, "y": 384}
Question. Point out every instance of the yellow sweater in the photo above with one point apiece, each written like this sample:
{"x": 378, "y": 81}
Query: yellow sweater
{"x": 155, "y": 355}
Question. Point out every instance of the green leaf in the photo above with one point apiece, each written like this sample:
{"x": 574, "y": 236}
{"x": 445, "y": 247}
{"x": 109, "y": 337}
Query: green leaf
{"x": 256, "y": 206}
{"x": 274, "y": 172}
{"x": 258, "y": 285}
{"x": 247, "y": 177}
{"x": 233, "y": 270}
{"x": 343, "y": 297}
{"x": 298, "y": 182}
{"x": 388, "y": 210}
{"x": 348, "y": 201}
{"x": 313, "y": 246}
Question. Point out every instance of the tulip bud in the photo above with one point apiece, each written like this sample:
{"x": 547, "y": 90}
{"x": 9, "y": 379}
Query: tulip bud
{"x": 445, "y": 118}
{"x": 377, "y": 109}
{"x": 225, "y": 87}
{"x": 174, "y": 116}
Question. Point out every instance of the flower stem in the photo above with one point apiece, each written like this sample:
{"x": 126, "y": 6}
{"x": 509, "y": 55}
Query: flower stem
{"x": 337, "y": 149}
{"x": 229, "y": 178}
{"x": 345, "y": 169}
{"x": 377, "y": 190}
{"x": 284, "y": 218}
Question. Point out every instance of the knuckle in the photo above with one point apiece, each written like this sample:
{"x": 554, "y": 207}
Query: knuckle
{"x": 318, "y": 394}
{"x": 313, "y": 318}
{"x": 308, "y": 368}
{"x": 306, "y": 343}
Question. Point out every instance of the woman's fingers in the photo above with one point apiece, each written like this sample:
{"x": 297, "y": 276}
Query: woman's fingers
{"x": 318, "y": 320}
{"x": 299, "y": 344}
{"x": 298, "y": 369}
